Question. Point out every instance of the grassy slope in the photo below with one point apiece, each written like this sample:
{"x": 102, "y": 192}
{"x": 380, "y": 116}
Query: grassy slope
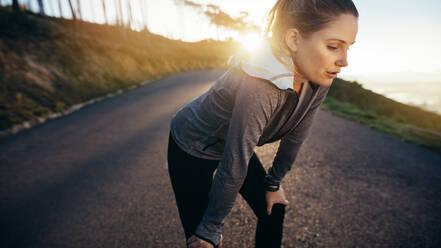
{"x": 352, "y": 101}
{"x": 48, "y": 65}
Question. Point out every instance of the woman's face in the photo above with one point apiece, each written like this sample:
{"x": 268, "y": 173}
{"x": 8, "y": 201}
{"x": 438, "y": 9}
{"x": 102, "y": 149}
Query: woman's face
{"x": 319, "y": 57}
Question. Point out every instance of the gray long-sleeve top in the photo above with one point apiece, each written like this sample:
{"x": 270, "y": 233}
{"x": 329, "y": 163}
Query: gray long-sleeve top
{"x": 242, "y": 110}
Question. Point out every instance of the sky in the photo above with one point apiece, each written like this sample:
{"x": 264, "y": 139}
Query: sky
{"x": 397, "y": 51}
{"x": 397, "y": 42}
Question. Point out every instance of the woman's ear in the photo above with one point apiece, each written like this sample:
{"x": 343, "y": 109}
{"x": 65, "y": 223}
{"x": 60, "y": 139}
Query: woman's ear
{"x": 292, "y": 38}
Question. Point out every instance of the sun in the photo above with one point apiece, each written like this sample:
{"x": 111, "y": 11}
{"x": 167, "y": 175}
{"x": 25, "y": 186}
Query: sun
{"x": 250, "y": 41}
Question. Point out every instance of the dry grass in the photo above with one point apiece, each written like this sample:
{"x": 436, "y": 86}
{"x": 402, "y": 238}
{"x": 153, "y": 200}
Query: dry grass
{"x": 48, "y": 65}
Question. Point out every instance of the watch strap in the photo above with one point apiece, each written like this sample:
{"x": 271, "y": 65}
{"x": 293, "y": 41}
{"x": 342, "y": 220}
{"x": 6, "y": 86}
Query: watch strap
{"x": 270, "y": 186}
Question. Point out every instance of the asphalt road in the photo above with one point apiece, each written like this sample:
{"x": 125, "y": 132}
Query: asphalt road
{"x": 98, "y": 178}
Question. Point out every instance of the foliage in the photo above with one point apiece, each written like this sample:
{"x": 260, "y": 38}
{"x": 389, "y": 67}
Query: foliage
{"x": 47, "y": 65}
{"x": 220, "y": 18}
{"x": 366, "y": 100}
{"x": 352, "y": 101}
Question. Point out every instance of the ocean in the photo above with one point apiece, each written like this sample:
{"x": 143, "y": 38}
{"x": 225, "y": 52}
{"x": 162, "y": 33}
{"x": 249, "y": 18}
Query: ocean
{"x": 424, "y": 95}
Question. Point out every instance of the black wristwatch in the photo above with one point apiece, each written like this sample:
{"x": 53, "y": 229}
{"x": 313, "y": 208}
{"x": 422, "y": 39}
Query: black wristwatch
{"x": 270, "y": 187}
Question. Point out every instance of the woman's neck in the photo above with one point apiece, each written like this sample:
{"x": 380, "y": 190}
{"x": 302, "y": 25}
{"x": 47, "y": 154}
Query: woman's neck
{"x": 298, "y": 81}
{"x": 298, "y": 87}
{"x": 298, "y": 84}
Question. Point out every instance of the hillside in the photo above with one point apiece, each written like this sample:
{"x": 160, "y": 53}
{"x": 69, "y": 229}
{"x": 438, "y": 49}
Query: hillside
{"x": 48, "y": 65}
{"x": 413, "y": 124}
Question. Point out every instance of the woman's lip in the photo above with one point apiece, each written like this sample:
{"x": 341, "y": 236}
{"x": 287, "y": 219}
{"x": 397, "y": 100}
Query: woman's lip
{"x": 332, "y": 75}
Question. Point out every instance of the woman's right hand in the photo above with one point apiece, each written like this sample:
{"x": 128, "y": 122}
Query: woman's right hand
{"x": 275, "y": 197}
{"x": 195, "y": 242}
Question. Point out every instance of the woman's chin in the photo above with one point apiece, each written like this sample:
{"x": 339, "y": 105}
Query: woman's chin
{"x": 323, "y": 82}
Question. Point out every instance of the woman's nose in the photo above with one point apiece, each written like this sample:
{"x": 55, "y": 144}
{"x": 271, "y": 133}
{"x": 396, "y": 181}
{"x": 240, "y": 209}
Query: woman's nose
{"x": 343, "y": 61}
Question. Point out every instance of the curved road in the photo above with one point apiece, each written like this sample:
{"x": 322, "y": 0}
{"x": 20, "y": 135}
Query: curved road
{"x": 98, "y": 178}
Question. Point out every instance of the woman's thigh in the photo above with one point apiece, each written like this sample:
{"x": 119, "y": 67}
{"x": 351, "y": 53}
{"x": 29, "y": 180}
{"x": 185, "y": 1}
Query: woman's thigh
{"x": 191, "y": 179}
{"x": 253, "y": 190}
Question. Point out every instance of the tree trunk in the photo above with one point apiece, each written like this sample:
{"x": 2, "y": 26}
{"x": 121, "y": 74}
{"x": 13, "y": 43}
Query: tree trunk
{"x": 129, "y": 7}
{"x": 116, "y": 13}
{"x": 105, "y": 14}
{"x": 74, "y": 16}
{"x": 15, "y": 5}
{"x": 121, "y": 17}
{"x": 60, "y": 8}
{"x": 144, "y": 9}
{"x": 41, "y": 6}
{"x": 79, "y": 9}
{"x": 123, "y": 29}
{"x": 27, "y": 6}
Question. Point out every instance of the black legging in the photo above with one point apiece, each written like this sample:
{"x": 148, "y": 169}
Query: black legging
{"x": 191, "y": 179}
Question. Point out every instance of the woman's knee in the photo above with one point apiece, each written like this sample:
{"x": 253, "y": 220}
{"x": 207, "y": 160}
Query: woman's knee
{"x": 277, "y": 212}
{"x": 278, "y": 209}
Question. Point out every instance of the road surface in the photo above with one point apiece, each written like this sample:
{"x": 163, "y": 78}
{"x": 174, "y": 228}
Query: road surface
{"x": 98, "y": 178}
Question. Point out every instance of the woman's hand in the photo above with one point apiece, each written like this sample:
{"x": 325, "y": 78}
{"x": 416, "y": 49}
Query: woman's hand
{"x": 195, "y": 242}
{"x": 275, "y": 197}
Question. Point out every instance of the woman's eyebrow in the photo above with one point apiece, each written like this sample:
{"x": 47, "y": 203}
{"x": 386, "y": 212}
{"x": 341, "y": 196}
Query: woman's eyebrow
{"x": 342, "y": 41}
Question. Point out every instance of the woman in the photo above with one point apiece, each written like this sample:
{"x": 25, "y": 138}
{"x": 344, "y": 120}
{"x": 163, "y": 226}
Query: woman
{"x": 271, "y": 96}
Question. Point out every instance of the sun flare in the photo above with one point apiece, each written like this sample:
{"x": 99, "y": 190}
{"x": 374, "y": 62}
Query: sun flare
{"x": 250, "y": 41}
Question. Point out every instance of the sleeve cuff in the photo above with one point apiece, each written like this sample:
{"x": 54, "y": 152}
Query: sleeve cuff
{"x": 205, "y": 239}
{"x": 270, "y": 179}
{"x": 204, "y": 233}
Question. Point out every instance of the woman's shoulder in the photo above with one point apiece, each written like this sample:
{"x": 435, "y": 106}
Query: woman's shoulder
{"x": 253, "y": 85}
{"x": 252, "y": 92}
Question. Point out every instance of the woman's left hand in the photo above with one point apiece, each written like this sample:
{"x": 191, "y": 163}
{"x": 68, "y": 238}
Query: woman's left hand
{"x": 275, "y": 197}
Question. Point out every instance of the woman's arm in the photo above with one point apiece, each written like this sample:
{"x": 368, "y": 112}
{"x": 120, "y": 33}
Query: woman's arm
{"x": 291, "y": 143}
{"x": 254, "y": 104}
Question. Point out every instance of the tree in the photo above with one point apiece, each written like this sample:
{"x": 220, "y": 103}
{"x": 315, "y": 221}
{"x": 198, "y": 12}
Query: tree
{"x": 104, "y": 10}
{"x": 41, "y": 6}
{"x": 15, "y": 5}
{"x": 74, "y": 16}
{"x": 220, "y": 18}
{"x": 129, "y": 7}
{"x": 121, "y": 18}
{"x": 60, "y": 8}
{"x": 79, "y": 9}
{"x": 144, "y": 9}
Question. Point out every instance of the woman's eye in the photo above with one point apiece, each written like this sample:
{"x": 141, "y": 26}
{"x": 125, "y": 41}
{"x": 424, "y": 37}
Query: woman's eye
{"x": 332, "y": 48}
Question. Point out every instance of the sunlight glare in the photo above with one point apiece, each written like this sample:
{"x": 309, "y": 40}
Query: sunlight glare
{"x": 250, "y": 41}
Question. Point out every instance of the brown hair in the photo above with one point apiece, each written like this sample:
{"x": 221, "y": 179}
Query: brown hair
{"x": 308, "y": 16}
